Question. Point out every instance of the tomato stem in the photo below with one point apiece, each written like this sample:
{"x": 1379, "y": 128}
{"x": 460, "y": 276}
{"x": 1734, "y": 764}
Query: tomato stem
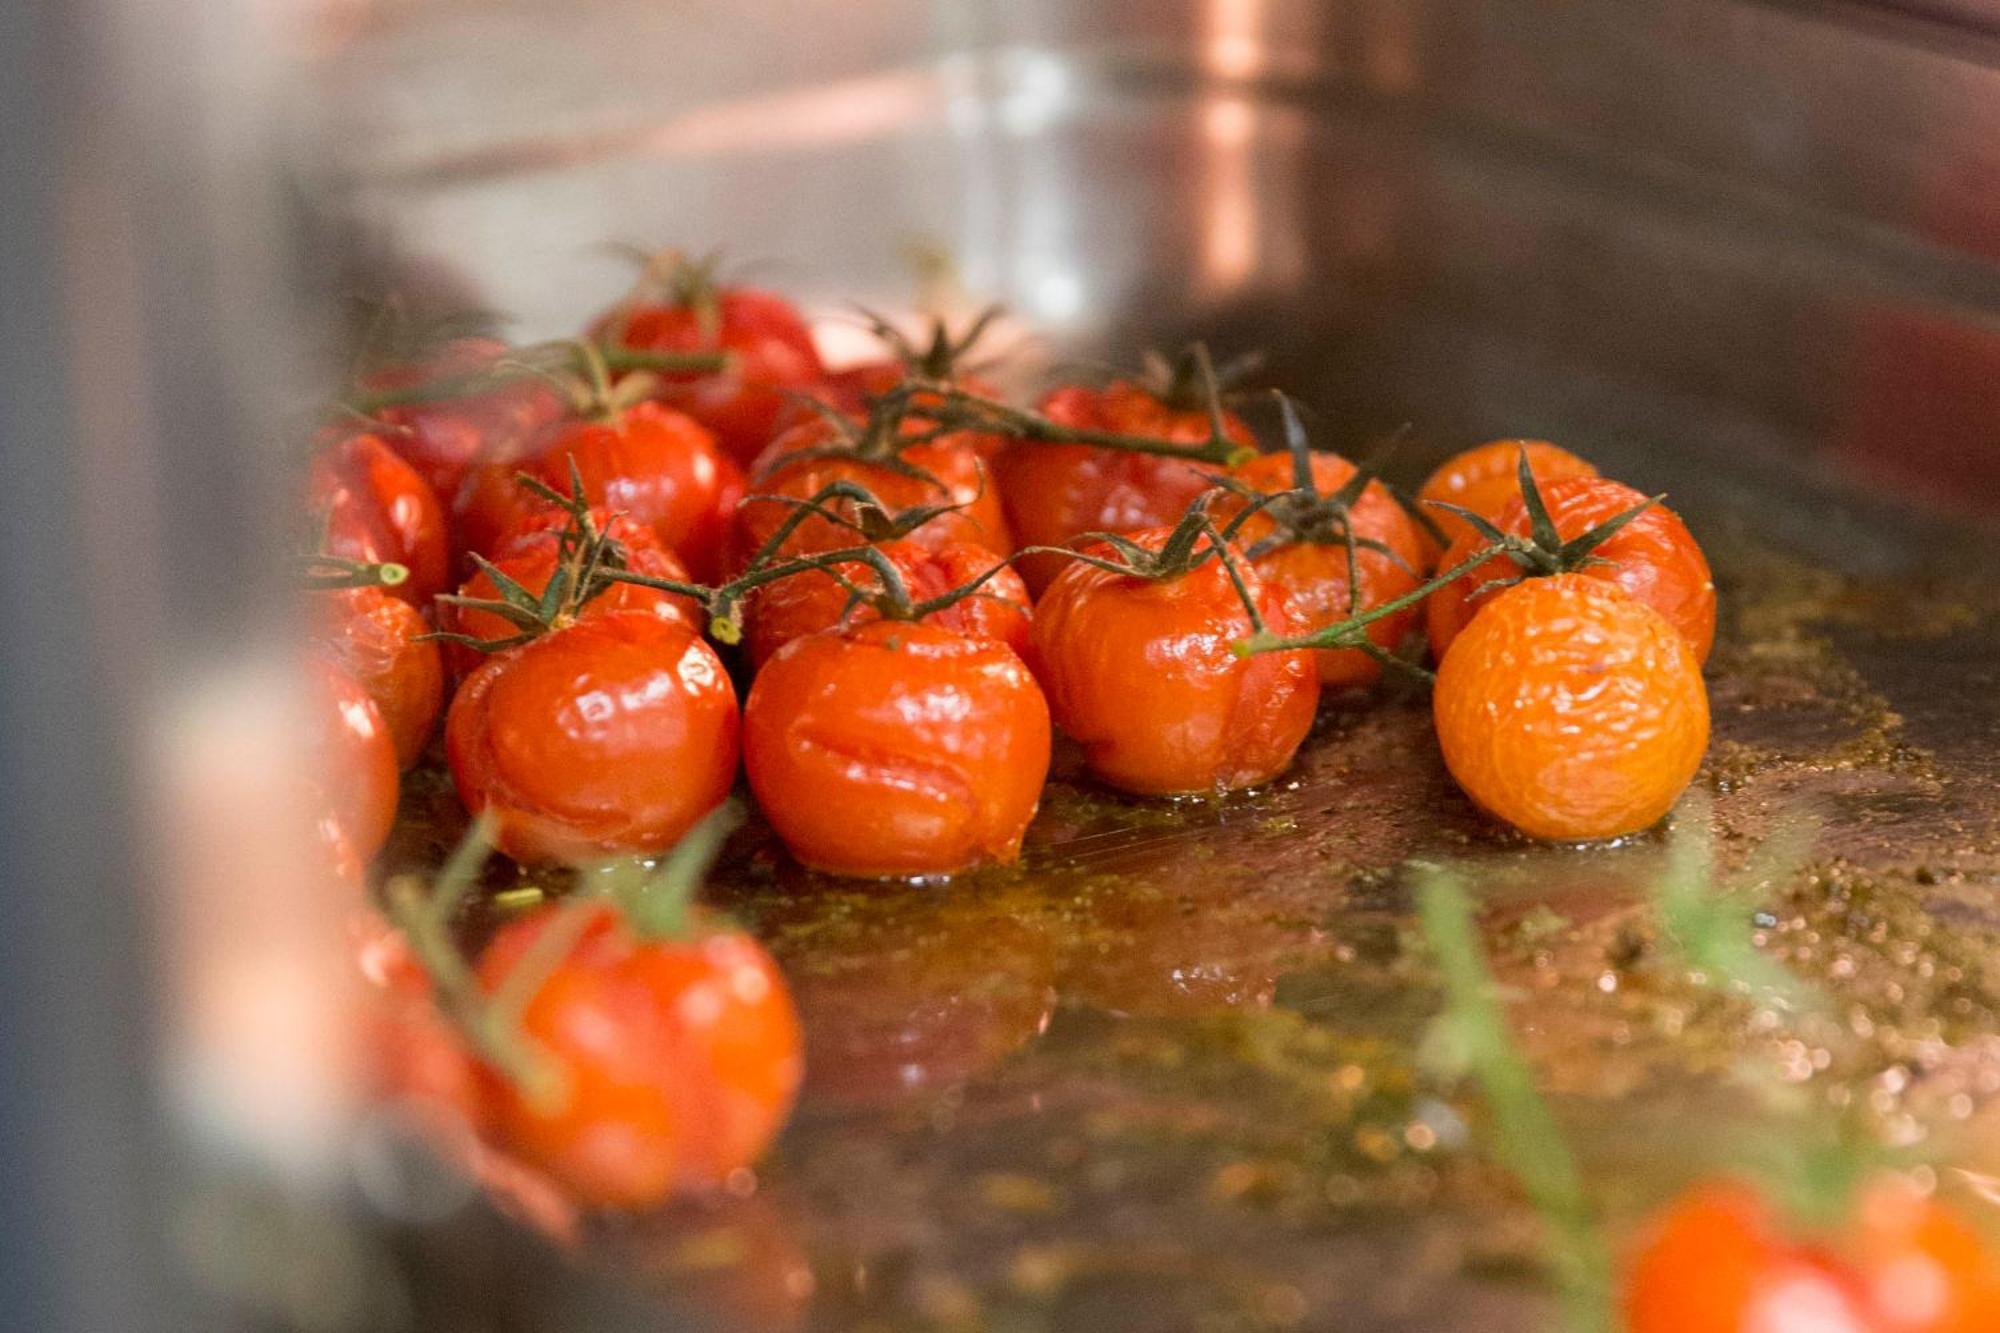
{"x": 329, "y": 573}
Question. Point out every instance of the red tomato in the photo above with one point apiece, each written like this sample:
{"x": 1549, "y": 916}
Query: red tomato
{"x": 416, "y": 1055}
{"x": 612, "y": 735}
{"x": 1139, "y": 672}
{"x": 852, "y": 390}
{"x": 533, "y": 564}
{"x": 1053, "y": 493}
{"x": 1314, "y": 574}
{"x": 378, "y": 639}
{"x": 1653, "y": 558}
{"x": 354, "y": 761}
{"x": 893, "y": 748}
{"x": 377, "y": 509}
{"x": 957, "y": 475}
{"x": 809, "y": 602}
{"x": 678, "y": 1058}
{"x": 441, "y": 438}
{"x": 650, "y": 463}
{"x": 771, "y": 355}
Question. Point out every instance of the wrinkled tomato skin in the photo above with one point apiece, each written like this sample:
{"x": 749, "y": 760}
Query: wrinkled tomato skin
{"x": 679, "y": 1059}
{"x": 532, "y": 564}
{"x": 443, "y": 438}
{"x": 893, "y": 749}
{"x": 611, "y": 736}
{"x": 378, "y": 639}
{"x": 377, "y": 509}
{"x": 1486, "y": 479}
{"x": 1053, "y": 493}
{"x": 1315, "y": 575}
{"x": 853, "y": 389}
{"x": 957, "y": 475}
{"x": 809, "y": 602}
{"x": 772, "y": 355}
{"x": 1654, "y": 558}
{"x": 652, "y": 464}
{"x": 354, "y": 768}
{"x": 1571, "y": 711}
{"x": 1139, "y": 672}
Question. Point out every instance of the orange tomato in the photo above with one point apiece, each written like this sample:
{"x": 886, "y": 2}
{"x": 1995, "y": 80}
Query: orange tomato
{"x": 1571, "y": 710}
{"x": 354, "y": 769}
{"x": 1139, "y": 672}
{"x": 1654, "y": 558}
{"x": 1054, "y": 493}
{"x": 1485, "y": 479}
{"x": 378, "y": 639}
{"x": 610, "y": 736}
{"x": 678, "y": 1059}
{"x": 378, "y": 510}
{"x": 1315, "y": 574}
{"x": 811, "y": 601}
{"x": 893, "y": 748}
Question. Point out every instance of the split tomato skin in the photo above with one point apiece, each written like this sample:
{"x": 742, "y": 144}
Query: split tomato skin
{"x": 1486, "y": 479}
{"x": 1140, "y": 673}
{"x": 809, "y": 602}
{"x": 1654, "y": 558}
{"x": 378, "y": 639}
{"x": 377, "y": 509}
{"x": 1054, "y": 493}
{"x": 611, "y": 736}
{"x": 1571, "y": 711}
{"x": 442, "y": 438}
{"x": 679, "y": 1059}
{"x": 771, "y": 350}
{"x": 896, "y": 749}
{"x": 1315, "y": 575}
{"x": 354, "y": 768}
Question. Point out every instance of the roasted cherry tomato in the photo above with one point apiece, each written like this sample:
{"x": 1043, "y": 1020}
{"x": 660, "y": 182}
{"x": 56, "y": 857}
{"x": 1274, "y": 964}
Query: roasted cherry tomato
{"x": 611, "y": 735}
{"x": 1720, "y": 1260}
{"x": 1314, "y": 573}
{"x": 893, "y": 748}
{"x": 650, "y": 463}
{"x": 1653, "y": 557}
{"x": 1485, "y": 479}
{"x": 771, "y": 354}
{"x": 1140, "y": 673}
{"x": 1571, "y": 710}
{"x": 809, "y": 602}
{"x": 677, "y": 1059}
{"x": 379, "y": 640}
{"x": 353, "y": 762}
{"x": 415, "y": 1055}
{"x": 443, "y": 437}
{"x": 377, "y": 509}
{"x": 1056, "y": 492}
{"x": 812, "y": 456}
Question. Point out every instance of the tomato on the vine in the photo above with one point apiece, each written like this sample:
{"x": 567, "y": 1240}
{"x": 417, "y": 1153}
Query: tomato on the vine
{"x": 377, "y": 509}
{"x": 354, "y": 775}
{"x": 442, "y": 437}
{"x": 378, "y": 639}
{"x": 1484, "y": 479}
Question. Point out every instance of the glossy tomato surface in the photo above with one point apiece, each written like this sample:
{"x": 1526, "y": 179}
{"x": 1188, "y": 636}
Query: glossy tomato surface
{"x": 376, "y": 508}
{"x": 378, "y": 639}
{"x": 353, "y": 761}
{"x": 893, "y": 748}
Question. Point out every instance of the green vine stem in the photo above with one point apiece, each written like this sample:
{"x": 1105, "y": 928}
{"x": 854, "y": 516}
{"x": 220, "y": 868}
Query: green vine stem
{"x": 538, "y": 361}
{"x": 331, "y": 573}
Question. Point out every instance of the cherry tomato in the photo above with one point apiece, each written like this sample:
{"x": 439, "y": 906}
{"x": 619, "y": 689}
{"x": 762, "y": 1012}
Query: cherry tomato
{"x": 416, "y": 1056}
{"x": 893, "y": 748}
{"x": 852, "y": 391}
{"x": 1654, "y": 558}
{"x": 1571, "y": 710}
{"x": 1485, "y": 479}
{"x": 809, "y": 602}
{"x": 650, "y": 463}
{"x": 1315, "y": 574}
{"x": 1139, "y": 672}
{"x": 354, "y": 761}
{"x": 377, "y": 509}
{"x": 770, "y": 348}
{"x": 379, "y": 640}
{"x": 612, "y": 735}
{"x": 441, "y": 438}
{"x": 1056, "y": 492}
{"x": 954, "y": 473}
{"x": 678, "y": 1058}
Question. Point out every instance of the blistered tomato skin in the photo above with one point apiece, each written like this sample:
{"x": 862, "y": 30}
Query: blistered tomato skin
{"x": 678, "y": 1059}
{"x": 1140, "y": 673}
{"x": 354, "y": 772}
{"x": 1056, "y": 492}
{"x": 1654, "y": 558}
{"x": 611, "y": 736}
{"x": 377, "y": 509}
{"x": 378, "y": 639}
{"x": 897, "y": 749}
{"x": 1571, "y": 711}
{"x": 1486, "y": 479}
